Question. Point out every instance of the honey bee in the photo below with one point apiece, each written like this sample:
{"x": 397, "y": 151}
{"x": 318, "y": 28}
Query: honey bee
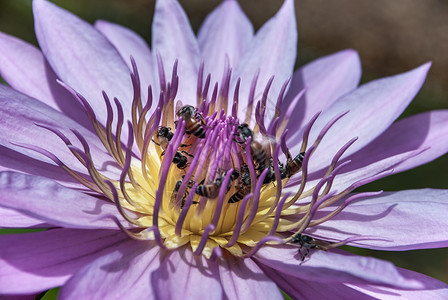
{"x": 306, "y": 242}
{"x": 245, "y": 187}
{"x": 292, "y": 166}
{"x": 164, "y": 136}
{"x": 176, "y": 190}
{"x": 193, "y": 121}
{"x": 181, "y": 160}
{"x": 211, "y": 190}
{"x": 258, "y": 151}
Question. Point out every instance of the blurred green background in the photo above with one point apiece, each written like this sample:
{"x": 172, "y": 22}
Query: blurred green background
{"x": 390, "y": 36}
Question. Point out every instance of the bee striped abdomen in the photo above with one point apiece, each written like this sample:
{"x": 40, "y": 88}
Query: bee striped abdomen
{"x": 196, "y": 129}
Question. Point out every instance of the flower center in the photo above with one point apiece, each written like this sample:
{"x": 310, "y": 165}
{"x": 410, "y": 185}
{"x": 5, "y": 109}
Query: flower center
{"x": 195, "y": 175}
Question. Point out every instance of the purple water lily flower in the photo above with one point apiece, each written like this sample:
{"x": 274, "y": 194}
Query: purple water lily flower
{"x": 205, "y": 167}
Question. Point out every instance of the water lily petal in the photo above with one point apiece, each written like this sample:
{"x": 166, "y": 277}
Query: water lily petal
{"x": 360, "y": 176}
{"x": 182, "y": 273}
{"x": 273, "y": 51}
{"x": 82, "y": 57}
{"x": 334, "y": 266}
{"x": 243, "y": 279}
{"x": 46, "y": 200}
{"x": 304, "y": 289}
{"x": 121, "y": 274}
{"x": 11, "y": 160}
{"x": 434, "y": 289}
{"x": 37, "y": 261}
{"x": 20, "y": 114}
{"x": 423, "y": 131}
{"x": 412, "y": 219}
{"x": 129, "y": 43}
{"x": 225, "y": 31}
{"x": 24, "y": 68}
{"x": 19, "y": 297}
{"x": 372, "y": 108}
{"x": 12, "y": 219}
{"x": 173, "y": 38}
{"x": 325, "y": 80}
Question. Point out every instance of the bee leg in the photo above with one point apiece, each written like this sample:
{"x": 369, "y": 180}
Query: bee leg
{"x": 199, "y": 116}
{"x": 184, "y": 145}
{"x": 186, "y": 153}
{"x": 183, "y": 199}
{"x": 156, "y": 143}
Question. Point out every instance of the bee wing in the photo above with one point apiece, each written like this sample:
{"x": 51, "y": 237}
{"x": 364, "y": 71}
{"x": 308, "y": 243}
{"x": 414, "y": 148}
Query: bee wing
{"x": 268, "y": 142}
{"x": 173, "y": 200}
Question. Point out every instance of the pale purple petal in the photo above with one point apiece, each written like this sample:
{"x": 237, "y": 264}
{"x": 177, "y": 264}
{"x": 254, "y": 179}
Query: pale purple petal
{"x": 173, "y": 38}
{"x": 11, "y": 160}
{"x": 23, "y": 66}
{"x": 20, "y": 114}
{"x": 372, "y": 109}
{"x": 334, "y": 267}
{"x": 363, "y": 175}
{"x": 243, "y": 279}
{"x": 434, "y": 289}
{"x": 225, "y": 31}
{"x": 123, "y": 274}
{"x": 325, "y": 80}
{"x": 407, "y": 220}
{"x": 426, "y": 131}
{"x": 183, "y": 274}
{"x": 273, "y": 51}
{"x": 12, "y": 219}
{"x": 46, "y": 200}
{"x": 129, "y": 43}
{"x": 18, "y": 297}
{"x": 33, "y": 262}
{"x": 82, "y": 57}
{"x": 303, "y": 289}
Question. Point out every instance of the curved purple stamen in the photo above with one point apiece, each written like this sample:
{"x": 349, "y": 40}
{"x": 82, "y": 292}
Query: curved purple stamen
{"x": 161, "y": 71}
{"x": 255, "y": 201}
{"x": 278, "y": 213}
{"x": 264, "y": 98}
{"x": 239, "y": 221}
{"x": 261, "y": 243}
{"x": 204, "y": 239}
{"x": 185, "y": 209}
{"x": 236, "y": 98}
{"x": 222, "y": 193}
{"x": 250, "y": 101}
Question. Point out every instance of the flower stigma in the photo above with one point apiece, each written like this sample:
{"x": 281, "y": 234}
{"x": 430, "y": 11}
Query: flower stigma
{"x": 199, "y": 175}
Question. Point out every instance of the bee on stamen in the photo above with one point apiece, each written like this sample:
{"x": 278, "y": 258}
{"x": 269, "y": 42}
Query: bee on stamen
{"x": 193, "y": 121}
{"x": 259, "y": 153}
{"x": 306, "y": 242}
{"x": 245, "y": 187}
{"x": 176, "y": 190}
{"x": 181, "y": 160}
{"x": 164, "y": 136}
{"x": 292, "y": 165}
{"x": 211, "y": 190}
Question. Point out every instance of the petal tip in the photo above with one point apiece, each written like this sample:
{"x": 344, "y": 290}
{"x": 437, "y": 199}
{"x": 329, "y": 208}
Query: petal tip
{"x": 40, "y": 4}
{"x": 100, "y": 23}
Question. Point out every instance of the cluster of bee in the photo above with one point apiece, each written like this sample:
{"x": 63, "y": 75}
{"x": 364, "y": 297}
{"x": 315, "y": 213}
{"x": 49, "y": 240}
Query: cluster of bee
{"x": 194, "y": 125}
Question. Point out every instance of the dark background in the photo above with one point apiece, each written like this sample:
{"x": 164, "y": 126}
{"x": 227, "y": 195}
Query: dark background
{"x": 390, "y": 36}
